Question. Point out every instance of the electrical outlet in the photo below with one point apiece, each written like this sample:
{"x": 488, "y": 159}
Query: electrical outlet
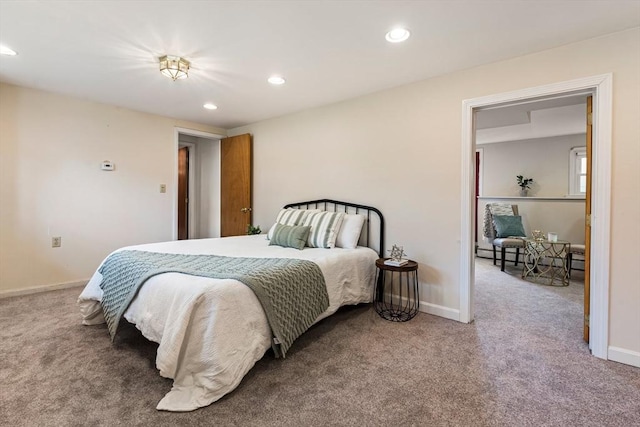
{"x": 56, "y": 242}
{"x": 163, "y": 188}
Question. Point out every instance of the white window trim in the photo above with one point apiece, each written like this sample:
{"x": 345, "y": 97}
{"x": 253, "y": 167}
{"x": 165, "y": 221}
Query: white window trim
{"x": 575, "y": 155}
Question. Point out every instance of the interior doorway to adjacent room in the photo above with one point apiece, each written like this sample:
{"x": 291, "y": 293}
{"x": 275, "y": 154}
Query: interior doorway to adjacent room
{"x": 196, "y": 205}
{"x": 600, "y": 87}
{"x": 538, "y": 139}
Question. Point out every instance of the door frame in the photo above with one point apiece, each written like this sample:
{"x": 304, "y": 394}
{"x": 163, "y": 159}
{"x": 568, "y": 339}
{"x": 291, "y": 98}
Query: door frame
{"x": 477, "y": 176}
{"x": 177, "y": 131}
{"x": 192, "y": 217}
{"x": 600, "y": 87}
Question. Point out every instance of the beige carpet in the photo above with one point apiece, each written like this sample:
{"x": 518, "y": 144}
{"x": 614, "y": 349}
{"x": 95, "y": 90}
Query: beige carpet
{"x": 522, "y": 363}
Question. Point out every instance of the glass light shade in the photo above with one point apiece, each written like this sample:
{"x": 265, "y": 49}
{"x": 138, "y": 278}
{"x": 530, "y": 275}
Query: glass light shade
{"x": 174, "y": 67}
{"x": 4, "y": 50}
{"x": 276, "y": 80}
{"x": 397, "y": 35}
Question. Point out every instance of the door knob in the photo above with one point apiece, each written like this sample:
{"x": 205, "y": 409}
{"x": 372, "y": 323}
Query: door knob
{"x": 245, "y": 210}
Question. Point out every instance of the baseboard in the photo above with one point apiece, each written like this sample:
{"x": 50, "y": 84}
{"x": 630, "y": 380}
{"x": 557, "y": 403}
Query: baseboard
{"x": 43, "y": 288}
{"x": 488, "y": 254}
{"x": 435, "y": 309}
{"x": 577, "y": 264}
{"x": 439, "y": 310}
{"x": 625, "y": 356}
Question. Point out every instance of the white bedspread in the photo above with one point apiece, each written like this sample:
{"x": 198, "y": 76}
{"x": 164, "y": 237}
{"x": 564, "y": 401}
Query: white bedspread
{"x": 211, "y": 331}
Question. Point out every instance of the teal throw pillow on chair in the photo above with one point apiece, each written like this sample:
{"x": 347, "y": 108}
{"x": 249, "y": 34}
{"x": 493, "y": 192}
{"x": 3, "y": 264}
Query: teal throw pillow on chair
{"x": 508, "y": 225}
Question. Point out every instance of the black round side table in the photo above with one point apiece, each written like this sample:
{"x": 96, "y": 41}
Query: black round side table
{"x": 396, "y": 294}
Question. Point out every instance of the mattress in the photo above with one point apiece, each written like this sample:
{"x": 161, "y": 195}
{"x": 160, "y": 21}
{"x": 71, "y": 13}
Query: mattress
{"x": 212, "y": 331}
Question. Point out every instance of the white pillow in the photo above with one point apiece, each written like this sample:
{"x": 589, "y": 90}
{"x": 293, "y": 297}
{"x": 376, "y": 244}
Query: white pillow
{"x": 324, "y": 228}
{"x": 349, "y": 233}
{"x": 289, "y": 217}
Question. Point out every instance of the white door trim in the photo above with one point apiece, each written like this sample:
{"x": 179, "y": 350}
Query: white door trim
{"x": 601, "y": 87}
{"x": 177, "y": 131}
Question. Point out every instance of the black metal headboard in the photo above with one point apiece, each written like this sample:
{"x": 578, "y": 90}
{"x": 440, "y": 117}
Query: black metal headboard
{"x": 370, "y": 234}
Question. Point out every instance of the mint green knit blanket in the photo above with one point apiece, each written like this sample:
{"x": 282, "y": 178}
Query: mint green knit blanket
{"x": 292, "y": 292}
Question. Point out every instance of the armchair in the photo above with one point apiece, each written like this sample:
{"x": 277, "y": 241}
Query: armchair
{"x": 503, "y": 229}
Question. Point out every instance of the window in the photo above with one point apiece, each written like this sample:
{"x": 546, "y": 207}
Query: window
{"x": 578, "y": 171}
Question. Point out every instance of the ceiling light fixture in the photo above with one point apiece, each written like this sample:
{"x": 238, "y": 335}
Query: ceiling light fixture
{"x": 397, "y": 35}
{"x": 174, "y": 67}
{"x": 6, "y": 51}
{"x": 210, "y": 106}
{"x": 276, "y": 80}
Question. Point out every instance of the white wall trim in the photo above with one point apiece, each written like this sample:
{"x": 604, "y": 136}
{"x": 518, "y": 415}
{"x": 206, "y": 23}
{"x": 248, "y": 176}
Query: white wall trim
{"x": 177, "y": 131}
{"x": 622, "y": 355}
{"x": 601, "y": 215}
{"x": 467, "y": 191}
{"x": 439, "y": 310}
{"x": 43, "y": 288}
{"x": 601, "y": 87}
{"x": 429, "y": 308}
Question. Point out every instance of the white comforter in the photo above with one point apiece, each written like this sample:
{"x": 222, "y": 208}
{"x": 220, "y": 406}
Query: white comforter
{"x": 212, "y": 331}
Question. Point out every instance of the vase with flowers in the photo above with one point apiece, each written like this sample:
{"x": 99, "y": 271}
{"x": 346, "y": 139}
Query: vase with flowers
{"x": 524, "y": 184}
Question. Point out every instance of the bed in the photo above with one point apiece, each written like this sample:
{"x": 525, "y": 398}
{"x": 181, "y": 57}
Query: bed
{"x": 211, "y": 331}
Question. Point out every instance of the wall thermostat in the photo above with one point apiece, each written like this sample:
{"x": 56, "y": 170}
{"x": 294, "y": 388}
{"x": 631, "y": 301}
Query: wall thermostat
{"x": 107, "y": 166}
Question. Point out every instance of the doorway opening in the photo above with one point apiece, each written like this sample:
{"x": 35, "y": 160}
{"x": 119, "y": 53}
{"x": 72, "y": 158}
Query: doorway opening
{"x": 601, "y": 89}
{"x": 184, "y": 179}
{"x": 196, "y": 198}
{"x": 535, "y": 140}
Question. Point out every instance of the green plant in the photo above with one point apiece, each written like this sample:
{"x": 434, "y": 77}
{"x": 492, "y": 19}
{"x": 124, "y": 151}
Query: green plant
{"x": 253, "y": 230}
{"x": 524, "y": 182}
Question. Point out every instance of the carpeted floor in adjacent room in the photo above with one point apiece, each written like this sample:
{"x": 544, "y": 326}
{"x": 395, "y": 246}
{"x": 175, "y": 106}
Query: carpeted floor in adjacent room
{"x": 521, "y": 363}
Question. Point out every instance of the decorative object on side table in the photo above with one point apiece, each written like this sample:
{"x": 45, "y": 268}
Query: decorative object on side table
{"x": 538, "y": 235}
{"x": 395, "y": 259}
{"x": 524, "y": 184}
{"x": 251, "y": 230}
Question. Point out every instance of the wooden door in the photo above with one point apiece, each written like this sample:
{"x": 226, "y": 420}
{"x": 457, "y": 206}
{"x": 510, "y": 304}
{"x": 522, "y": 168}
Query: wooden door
{"x": 183, "y": 193}
{"x": 235, "y": 185}
{"x": 587, "y": 228}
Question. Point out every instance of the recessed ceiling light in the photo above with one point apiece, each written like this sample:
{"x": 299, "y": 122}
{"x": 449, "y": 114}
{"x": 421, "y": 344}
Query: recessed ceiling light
{"x": 6, "y": 51}
{"x": 210, "y": 106}
{"x": 276, "y": 80}
{"x": 397, "y": 35}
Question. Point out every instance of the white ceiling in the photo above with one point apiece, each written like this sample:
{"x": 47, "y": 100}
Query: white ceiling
{"x": 106, "y": 51}
{"x": 520, "y": 113}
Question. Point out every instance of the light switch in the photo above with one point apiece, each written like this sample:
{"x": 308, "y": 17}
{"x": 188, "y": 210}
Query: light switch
{"x": 163, "y": 188}
{"x": 107, "y": 166}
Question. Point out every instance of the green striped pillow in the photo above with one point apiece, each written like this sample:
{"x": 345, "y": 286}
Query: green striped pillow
{"x": 324, "y": 228}
{"x": 289, "y": 236}
{"x": 287, "y": 217}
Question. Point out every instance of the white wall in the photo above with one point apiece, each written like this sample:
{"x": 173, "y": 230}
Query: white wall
{"x": 400, "y": 150}
{"x": 546, "y": 160}
{"x": 564, "y": 217}
{"x": 209, "y": 170}
{"x": 51, "y": 184}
